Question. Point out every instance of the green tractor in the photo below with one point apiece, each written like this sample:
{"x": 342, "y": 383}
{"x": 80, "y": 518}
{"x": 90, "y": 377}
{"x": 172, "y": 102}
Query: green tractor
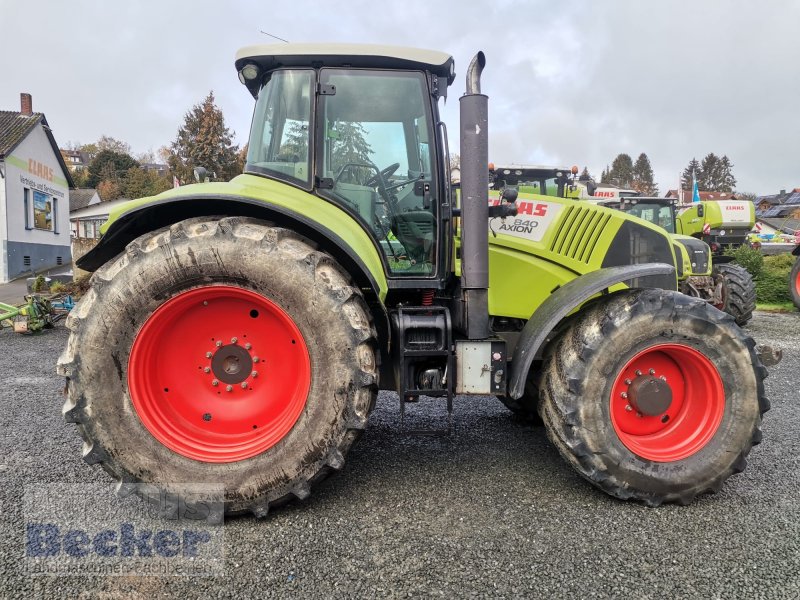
{"x": 238, "y": 333}
{"x": 701, "y": 272}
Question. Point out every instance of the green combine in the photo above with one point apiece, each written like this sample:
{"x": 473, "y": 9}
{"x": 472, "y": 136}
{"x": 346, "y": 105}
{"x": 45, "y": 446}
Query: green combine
{"x": 238, "y": 333}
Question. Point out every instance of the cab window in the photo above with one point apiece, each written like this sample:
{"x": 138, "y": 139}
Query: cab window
{"x": 374, "y": 159}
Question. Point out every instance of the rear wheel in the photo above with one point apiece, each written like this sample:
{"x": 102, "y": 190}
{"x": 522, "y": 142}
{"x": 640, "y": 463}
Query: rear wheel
{"x": 225, "y": 351}
{"x": 738, "y": 292}
{"x": 655, "y": 396}
{"x": 794, "y": 283}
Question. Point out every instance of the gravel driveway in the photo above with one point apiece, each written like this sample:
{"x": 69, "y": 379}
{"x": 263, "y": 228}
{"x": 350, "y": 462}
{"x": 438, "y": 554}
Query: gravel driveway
{"x": 493, "y": 511}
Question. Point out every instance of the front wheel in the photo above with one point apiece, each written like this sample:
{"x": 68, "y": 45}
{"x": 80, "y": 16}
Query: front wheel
{"x": 225, "y": 351}
{"x": 738, "y": 292}
{"x": 654, "y": 396}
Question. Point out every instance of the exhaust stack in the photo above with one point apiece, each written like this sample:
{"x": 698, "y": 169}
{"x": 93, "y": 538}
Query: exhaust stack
{"x": 474, "y": 108}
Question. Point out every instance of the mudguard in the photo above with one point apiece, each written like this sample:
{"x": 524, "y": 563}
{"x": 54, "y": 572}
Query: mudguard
{"x": 141, "y": 219}
{"x": 559, "y": 304}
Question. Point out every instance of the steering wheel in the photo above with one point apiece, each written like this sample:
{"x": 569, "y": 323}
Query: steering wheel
{"x": 383, "y": 174}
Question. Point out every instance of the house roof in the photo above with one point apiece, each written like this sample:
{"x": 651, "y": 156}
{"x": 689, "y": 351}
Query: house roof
{"x": 99, "y": 210}
{"x": 784, "y": 225}
{"x": 15, "y": 127}
{"x": 80, "y": 197}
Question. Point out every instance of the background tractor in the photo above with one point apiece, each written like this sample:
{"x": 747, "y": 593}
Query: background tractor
{"x": 794, "y": 278}
{"x": 722, "y": 224}
{"x": 238, "y": 333}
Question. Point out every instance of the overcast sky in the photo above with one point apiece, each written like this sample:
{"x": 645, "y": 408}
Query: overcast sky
{"x": 569, "y": 82}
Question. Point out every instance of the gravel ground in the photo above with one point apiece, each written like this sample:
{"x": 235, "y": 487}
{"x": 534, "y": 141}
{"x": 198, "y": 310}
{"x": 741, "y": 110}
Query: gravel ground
{"x": 493, "y": 511}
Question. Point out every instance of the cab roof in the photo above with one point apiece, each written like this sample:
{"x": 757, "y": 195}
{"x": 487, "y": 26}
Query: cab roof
{"x": 273, "y": 56}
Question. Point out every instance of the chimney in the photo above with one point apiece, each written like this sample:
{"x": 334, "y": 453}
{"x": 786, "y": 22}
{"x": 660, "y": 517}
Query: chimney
{"x": 26, "y": 104}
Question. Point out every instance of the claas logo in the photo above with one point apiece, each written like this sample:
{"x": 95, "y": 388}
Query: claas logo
{"x": 534, "y": 209}
{"x": 529, "y": 208}
{"x": 736, "y": 207}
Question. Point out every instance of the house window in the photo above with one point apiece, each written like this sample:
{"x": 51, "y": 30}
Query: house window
{"x": 55, "y": 215}
{"x": 42, "y": 211}
{"x": 27, "y": 207}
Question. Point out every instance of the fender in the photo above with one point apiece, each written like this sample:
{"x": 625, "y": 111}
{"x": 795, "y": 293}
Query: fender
{"x": 559, "y": 304}
{"x": 144, "y": 218}
{"x": 149, "y": 217}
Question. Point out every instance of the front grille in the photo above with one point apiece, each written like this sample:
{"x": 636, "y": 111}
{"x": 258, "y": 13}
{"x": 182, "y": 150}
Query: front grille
{"x": 580, "y": 229}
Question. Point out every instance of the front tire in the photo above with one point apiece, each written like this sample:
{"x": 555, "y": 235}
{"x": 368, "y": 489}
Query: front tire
{"x": 738, "y": 292}
{"x": 225, "y": 351}
{"x": 636, "y": 435}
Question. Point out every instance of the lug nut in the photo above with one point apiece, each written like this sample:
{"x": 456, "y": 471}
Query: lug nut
{"x": 219, "y": 343}
{"x": 628, "y": 407}
{"x": 628, "y": 382}
{"x": 207, "y": 370}
{"x": 255, "y": 359}
{"x": 244, "y": 385}
{"x": 215, "y": 382}
{"x": 638, "y": 372}
{"x": 662, "y": 378}
{"x": 652, "y": 371}
{"x": 248, "y": 345}
{"x": 209, "y": 355}
{"x": 229, "y": 388}
{"x": 624, "y": 394}
{"x": 234, "y": 340}
{"x": 254, "y": 374}
{"x": 205, "y": 302}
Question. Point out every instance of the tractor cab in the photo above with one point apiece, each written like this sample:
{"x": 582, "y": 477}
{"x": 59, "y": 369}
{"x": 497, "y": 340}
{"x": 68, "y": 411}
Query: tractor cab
{"x": 658, "y": 211}
{"x": 357, "y": 127}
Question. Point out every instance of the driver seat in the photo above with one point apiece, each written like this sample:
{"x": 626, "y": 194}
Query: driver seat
{"x": 416, "y": 230}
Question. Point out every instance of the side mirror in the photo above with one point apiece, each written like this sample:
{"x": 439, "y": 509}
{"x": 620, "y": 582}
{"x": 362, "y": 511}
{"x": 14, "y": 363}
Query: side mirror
{"x": 510, "y": 195}
{"x": 591, "y": 187}
{"x": 700, "y": 210}
{"x": 201, "y": 174}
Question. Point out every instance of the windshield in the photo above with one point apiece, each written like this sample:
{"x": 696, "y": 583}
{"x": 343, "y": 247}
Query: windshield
{"x": 375, "y": 159}
{"x": 657, "y": 214}
{"x": 280, "y": 135}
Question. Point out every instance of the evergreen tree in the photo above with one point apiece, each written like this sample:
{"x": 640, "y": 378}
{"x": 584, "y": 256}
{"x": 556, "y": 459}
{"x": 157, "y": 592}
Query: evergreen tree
{"x": 708, "y": 178}
{"x": 139, "y": 183}
{"x": 621, "y": 173}
{"x": 686, "y": 177}
{"x": 109, "y": 165}
{"x": 204, "y": 141}
{"x": 604, "y": 176}
{"x": 727, "y": 182}
{"x": 585, "y": 175}
{"x": 351, "y": 147}
{"x": 643, "y": 176}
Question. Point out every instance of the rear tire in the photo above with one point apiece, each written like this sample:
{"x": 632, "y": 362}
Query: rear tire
{"x": 794, "y": 283}
{"x": 294, "y": 301}
{"x": 739, "y": 292}
{"x": 716, "y": 386}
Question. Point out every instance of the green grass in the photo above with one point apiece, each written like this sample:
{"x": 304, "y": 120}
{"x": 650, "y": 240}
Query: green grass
{"x": 779, "y": 307}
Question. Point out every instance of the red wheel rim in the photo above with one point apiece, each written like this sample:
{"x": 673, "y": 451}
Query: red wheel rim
{"x": 797, "y": 283}
{"x": 693, "y": 415}
{"x": 219, "y": 374}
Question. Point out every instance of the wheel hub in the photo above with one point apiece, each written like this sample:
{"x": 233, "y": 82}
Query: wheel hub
{"x": 232, "y": 364}
{"x": 650, "y": 395}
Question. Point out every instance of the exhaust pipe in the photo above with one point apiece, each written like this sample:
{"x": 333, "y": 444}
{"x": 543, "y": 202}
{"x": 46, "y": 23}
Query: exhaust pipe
{"x": 474, "y": 108}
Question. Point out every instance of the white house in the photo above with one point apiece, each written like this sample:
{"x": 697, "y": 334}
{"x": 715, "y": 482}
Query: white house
{"x": 34, "y": 195}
